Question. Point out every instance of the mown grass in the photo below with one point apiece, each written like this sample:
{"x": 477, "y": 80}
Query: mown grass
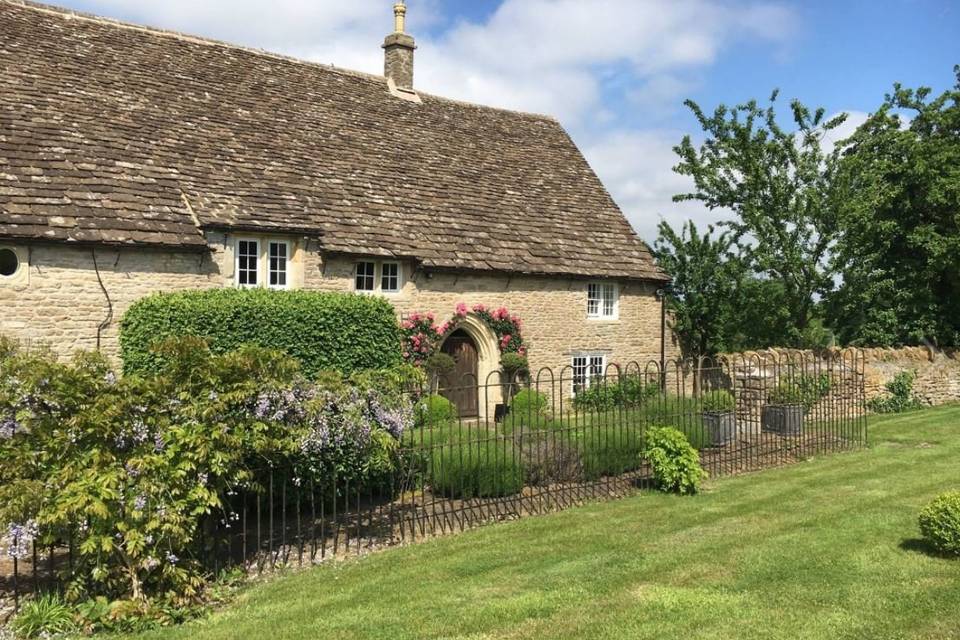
{"x": 823, "y": 549}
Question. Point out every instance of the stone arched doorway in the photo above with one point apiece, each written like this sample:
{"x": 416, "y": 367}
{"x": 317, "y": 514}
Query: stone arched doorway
{"x": 473, "y": 386}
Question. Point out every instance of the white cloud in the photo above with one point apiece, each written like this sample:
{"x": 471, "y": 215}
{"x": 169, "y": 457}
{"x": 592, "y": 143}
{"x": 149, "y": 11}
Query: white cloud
{"x": 636, "y": 167}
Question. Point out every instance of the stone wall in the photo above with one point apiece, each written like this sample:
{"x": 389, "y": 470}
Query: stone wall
{"x": 937, "y": 372}
{"x": 61, "y": 301}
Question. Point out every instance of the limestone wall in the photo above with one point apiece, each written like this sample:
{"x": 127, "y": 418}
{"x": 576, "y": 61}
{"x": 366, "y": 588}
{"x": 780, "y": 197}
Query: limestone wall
{"x": 938, "y": 372}
{"x": 61, "y": 302}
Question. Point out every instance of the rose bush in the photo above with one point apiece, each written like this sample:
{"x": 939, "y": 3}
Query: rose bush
{"x": 422, "y": 336}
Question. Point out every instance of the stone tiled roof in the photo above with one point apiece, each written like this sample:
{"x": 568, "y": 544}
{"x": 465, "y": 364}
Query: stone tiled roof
{"x": 120, "y": 134}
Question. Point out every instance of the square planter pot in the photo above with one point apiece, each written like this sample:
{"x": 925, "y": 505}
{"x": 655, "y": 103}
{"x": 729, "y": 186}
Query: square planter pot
{"x": 721, "y": 428}
{"x": 784, "y": 420}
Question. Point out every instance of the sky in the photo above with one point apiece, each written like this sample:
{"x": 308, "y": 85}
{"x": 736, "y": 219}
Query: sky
{"x": 615, "y": 73}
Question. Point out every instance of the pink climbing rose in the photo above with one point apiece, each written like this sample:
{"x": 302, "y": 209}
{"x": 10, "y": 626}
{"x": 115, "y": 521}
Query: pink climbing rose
{"x": 462, "y": 309}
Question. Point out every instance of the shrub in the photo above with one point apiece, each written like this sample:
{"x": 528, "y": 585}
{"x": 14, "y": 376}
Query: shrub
{"x": 482, "y": 469}
{"x": 940, "y": 523}
{"x": 814, "y": 388}
{"x": 529, "y": 403}
{"x": 674, "y": 463}
{"x": 435, "y": 411}
{"x": 785, "y": 393}
{"x": 438, "y": 365}
{"x": 44, "y": 616}
{"x": 719, "y": 401}
{"x": 131, "y": 467}
{"x": 806, "y": 390}
{"x": 512, "y": 363}
{"x": 323, "y": 331}
{"x": 899, "y": 397}
{"x": 623, "y": 392}
{"x": 610, "y": 451}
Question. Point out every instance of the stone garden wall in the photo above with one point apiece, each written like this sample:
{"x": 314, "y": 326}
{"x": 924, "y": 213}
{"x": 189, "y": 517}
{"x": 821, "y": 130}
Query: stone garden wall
{"x": 937, "y": 372}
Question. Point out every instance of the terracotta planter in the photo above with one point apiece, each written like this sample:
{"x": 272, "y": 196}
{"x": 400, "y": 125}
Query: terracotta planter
{"x": 784, "y": 420}
{"x": 721, "y": 428}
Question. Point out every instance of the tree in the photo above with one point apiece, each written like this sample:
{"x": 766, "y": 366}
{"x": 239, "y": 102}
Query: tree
{"x": 898, "y": 198}
{"x": 776, "y": 183}
{"x": 706, "y": 277}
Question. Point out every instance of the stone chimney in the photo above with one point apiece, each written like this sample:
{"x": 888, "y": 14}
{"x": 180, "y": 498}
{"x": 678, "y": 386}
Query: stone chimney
{"x": 398, "y": 52}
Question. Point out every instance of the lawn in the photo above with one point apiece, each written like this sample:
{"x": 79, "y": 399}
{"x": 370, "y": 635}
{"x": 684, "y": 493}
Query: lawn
{"x": 822, "y": 549}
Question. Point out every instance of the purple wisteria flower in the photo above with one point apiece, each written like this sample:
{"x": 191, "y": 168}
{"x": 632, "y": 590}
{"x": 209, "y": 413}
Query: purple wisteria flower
{"x": 19, "y": 539}
{"x": 171, "y": 558}
{"x": 8, "y": 428}
{"x": 140, "y": 503}
{"x": 159, "y": 444}
{"x": 286, "y": 406}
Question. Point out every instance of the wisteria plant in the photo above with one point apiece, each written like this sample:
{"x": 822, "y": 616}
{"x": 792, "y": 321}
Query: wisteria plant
{"x": 130, "y": 468}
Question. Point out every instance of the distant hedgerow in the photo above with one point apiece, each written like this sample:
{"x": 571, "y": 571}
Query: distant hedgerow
{"x": 323, "y": 331}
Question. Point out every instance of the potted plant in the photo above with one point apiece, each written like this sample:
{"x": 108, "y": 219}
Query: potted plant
{"x": 719, "y": 417}
{"x": 784, "y": 411}
{"x": 438, "y": 365}
{"x": 513, "y": 366}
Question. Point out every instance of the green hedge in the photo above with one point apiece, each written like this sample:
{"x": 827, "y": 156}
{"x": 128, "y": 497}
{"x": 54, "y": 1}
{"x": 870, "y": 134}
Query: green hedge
{"x": 324, "y": 331}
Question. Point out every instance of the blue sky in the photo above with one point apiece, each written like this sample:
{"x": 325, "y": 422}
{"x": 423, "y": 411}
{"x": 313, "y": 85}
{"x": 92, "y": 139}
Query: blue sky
{"x": 614, "y": 72}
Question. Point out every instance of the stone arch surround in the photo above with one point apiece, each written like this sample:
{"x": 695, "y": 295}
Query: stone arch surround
{"x": 488, "y": 362}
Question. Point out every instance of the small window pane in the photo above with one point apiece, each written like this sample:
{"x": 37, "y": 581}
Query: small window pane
{"x": 278, "y": 265}
{"x": 580, "y": 380}
{"x": 365, "y": 278}
{"x": 248, "y": 257}
{"x": 390, "y": 277}
{"x": 609, "y": 301}
{"x": 593, "y": 300}
{"x": 596, "y": 366}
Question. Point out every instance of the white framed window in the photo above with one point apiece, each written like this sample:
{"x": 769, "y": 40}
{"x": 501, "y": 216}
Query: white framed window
{"x": 278, "y": 258}
{"x": 587, "y": 369}
{"x": 248, "y": 262}
{"x": 390, "y": 277}
{"x": 365, "y": 276}
{"x": 378, "y": 277}
{"x": 603, "y": 300}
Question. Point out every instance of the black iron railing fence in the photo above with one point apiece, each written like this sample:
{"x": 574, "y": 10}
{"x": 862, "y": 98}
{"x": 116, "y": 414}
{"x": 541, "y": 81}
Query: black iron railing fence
{"x": 534, "y": 447}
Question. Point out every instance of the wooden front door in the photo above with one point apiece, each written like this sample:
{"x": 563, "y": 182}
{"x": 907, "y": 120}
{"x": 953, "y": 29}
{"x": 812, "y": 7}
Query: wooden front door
{"x": 460, "y": 385}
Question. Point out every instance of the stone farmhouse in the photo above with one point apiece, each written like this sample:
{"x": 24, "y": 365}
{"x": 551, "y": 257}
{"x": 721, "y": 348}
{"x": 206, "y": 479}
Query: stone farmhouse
{"x": 135, "y": 160}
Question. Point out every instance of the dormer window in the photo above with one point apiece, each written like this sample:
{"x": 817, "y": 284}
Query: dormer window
{"x": 390, "y": 277}
{"x": 378, "y": 277}
{"x": 263, "y": 261}
{"x": 366, "y": 276}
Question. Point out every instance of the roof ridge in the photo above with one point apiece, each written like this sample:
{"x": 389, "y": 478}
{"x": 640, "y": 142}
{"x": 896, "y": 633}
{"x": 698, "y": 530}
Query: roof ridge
{"x": 207, "y": 41}
{"x": 186, "y": 37}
